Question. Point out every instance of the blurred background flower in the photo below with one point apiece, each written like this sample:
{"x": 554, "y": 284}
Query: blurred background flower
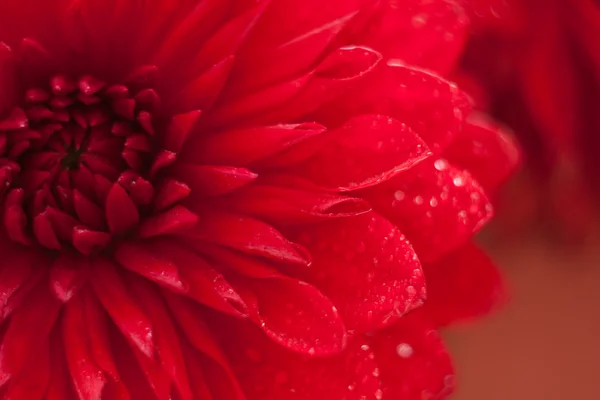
{"x": 535, "y": 66}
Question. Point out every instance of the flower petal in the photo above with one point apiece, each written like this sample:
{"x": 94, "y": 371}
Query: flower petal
{"x": 121, "y": 307}
{"x": 68, "y": 274}
{"x": 247, "y": 235}
{"x": 303, "y": 320}
{"x": 28, "y": 329}
{"x": 462, "y": 285}
{"x": 414, "y": 363}
{"x": 431, "y": 106}
{"x": 208, "y": 180}
{"x": 32, "y": 382}
{"x": 88, "y": 378}
{"x": 437, "y": 206}
{"x": 175, "y": 220}
{"x": 141, "y": 259}
{"x": 242, "y": 147}
{"x": 198, "y": 335}
{"x": 486, "y": 150}
{"x": 270, "y": 372}
{"x": 121, "y": 212}
{"x": 366, "y": 267}
{"x": 166, "y": 338}
{"x": 204, "y": 284}
{"x": 282, "y": 206}
{"x": 365, "y": 151}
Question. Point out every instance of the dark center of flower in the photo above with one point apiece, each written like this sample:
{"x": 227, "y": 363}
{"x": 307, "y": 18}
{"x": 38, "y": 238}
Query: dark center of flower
{"x": 78, "y": 159}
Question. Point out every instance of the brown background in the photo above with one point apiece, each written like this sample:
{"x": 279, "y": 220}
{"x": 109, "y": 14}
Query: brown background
{"x": 545, "y": 345}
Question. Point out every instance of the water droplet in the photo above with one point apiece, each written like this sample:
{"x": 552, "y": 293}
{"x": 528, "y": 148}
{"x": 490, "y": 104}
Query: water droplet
{"x": 462, "y": 214}
{"x": 440, "y": 164}
{"x": 376, "y": 372}
{"x": 311, "y": 351}
{"x": 418, "y": 200}
{"x": 419, "y": 20}
{"x": 433, "y": 202}
{"x": 458, "y": 181}
{"x": 379, "y": 394}
{"x": 399, "y": 195}
{"x": 365, "y": 347}
{"x": 411, "y": 291}
{"x": 404, "y": 350}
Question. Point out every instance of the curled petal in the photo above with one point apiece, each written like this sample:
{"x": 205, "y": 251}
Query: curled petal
{"x": 366, "y": 267}
{"x": 303, "y": 320}
{"x": 247, "y": 235}
{"x": 437, "y": 206}
{"x": 366, "y": 151}
{"x": 289, "y": 206}
{"x": 486, "y": 150}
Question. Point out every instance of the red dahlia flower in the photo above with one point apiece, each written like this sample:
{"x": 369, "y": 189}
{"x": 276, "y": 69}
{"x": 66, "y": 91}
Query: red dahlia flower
{"x": 539, "y": 65}
{"x": 235, "y": 199}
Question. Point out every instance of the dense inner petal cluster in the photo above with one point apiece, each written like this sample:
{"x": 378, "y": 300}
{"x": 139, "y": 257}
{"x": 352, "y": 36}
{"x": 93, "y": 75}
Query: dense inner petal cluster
{"x": 79, "y": 160}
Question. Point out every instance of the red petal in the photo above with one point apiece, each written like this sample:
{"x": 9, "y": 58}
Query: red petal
{"x": 302, "y": 319}
{"x": 67, "y": 276}
{"x": 428, "y": 34}
{"x": 227, "y": 39}
{"x": 243, "y": 147}
{"x": 179, "y": 129}
{"x": 206, "y": 180}
{"x": 89, "y": 242}
{"x": 365, "y": 152}
{"x": 196, "y": 27}
{"x": 97, "y": 330}
{"x": 172, "y": 221}
{"x": 202, "y": 92}
{"x": 462, "y": 285}
{"x": 140, "y": 259}
{"x": 32, "y": 382}
{"x": 289, "y": 56}
{"x": 123, "y": 310}
{"x": 289, "y": 206}
{"x": 366, "y": 267}
{"x": 437, "y": 206}
{"x": 197, "y": 334}
{"x": 44, "y": 232}
{"x": 434, "y": 108}
{"x": 121, "y": 212}
{"x": 166, "y": 338}
{"x": 247, "y": 235}
{"x": 341, "y": 71}
{"x": 7, "y": 79}
{"x": 413, "y": 361}
{"x": 204, "y": 283}
{"x": 88, "y": 378}
{"x": 270, "y": 372}
{"x": 28, "y": 329}
{"x": 486, "y": 151}
{"x": 170, "y": 192}
{"x": 60, "y": 387}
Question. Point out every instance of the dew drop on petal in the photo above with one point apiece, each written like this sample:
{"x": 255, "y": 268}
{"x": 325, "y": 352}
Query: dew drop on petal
{"x": 399, "y": 195}
{"x": 404, "y": 350}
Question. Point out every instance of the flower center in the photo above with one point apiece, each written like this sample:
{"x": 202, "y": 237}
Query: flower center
{"x": 71, "y": 160}
{"x": 77, "y": 162}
